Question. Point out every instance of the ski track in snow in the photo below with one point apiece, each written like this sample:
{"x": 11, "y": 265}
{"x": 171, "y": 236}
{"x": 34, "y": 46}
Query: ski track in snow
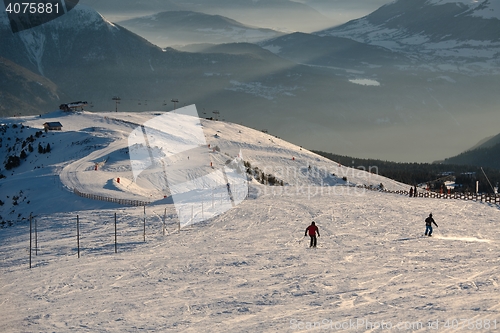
{"x": 250, "y": 269}
{"x": 246, "y": 270}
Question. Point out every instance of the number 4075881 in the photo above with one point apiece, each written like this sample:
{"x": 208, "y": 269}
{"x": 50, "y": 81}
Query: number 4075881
{"x": 32, "y": 8}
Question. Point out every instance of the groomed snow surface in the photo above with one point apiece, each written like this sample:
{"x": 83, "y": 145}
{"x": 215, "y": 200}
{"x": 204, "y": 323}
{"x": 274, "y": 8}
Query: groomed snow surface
{"x": 245, "y": 271}
{"x": 249, "y": 269}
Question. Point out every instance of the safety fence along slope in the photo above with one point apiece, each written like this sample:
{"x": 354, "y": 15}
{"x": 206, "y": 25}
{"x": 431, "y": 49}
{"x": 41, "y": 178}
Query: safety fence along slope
{"x": 481, "y": 197}
{"x": 126, "y": 202}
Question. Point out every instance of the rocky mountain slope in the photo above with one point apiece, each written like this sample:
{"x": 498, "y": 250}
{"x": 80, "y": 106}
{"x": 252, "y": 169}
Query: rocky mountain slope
{"x": 22, "y": 91}
{"x": 458, "y": 35}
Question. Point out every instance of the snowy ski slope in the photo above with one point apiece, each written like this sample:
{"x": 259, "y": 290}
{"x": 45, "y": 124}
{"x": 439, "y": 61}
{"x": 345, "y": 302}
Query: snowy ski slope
{"x": 247, "y": 270}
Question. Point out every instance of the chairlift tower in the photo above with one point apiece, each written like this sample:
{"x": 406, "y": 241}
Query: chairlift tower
{"x": 217, "y": 113}
{"x": 175, "y": 101}
{"x": 117, "y": 101}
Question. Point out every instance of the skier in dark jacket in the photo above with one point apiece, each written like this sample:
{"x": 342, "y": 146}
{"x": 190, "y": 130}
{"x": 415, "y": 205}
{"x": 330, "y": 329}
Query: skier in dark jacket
{"x": 428, "y": 225}
{"x": 313, "y": 230}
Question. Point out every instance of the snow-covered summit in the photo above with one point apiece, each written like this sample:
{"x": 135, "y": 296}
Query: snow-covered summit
{"x": 82, "y": 17}
{"x": 52, "y": 45}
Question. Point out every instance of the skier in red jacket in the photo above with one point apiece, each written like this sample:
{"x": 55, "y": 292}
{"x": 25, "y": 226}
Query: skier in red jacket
{"x": 313, "y": 230}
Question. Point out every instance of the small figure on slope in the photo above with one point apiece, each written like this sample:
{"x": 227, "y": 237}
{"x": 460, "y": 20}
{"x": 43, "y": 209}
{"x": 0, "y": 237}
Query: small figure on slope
{"x": 428, "y": 225}
{"x": 313, "y": 230}
{"x": 229, "y": 191}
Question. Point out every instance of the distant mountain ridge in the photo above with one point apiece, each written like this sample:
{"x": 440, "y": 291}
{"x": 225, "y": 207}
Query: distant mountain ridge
{"x": 325, "y": 106}
{"x": 462, "y": 32}
{"x": 482, "y": 156}
{"x": 487, "y": 142}
{"x": 486, "y": 153}
{"x": 282, "y": 15}
{"x": 341, "y": 11}
{"x": 187, "y": 27}
{"x": 93, "y": 59}
{"x": 53, "y": 46}
{"x": 330, "y": 51}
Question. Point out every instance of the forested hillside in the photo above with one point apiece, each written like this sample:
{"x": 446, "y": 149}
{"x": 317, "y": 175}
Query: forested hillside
{"x": 483, "y": 156}
{"x": 434, "y": 174}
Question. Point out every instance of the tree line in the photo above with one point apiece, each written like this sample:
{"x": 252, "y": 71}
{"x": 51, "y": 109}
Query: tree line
{"x": 432, "y": 174}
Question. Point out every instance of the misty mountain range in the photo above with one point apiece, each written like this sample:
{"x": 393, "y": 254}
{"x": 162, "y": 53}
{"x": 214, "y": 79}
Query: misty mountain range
{"x": 341, "y": 11}
{"x": 281, "y": 15}
{"x": 333, "y": 90}
{"x": 186, "y": 27}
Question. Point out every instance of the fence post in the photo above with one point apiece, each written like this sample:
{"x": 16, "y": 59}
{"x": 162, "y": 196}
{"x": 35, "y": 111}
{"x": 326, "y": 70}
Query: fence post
{"x": 78, "y": 234}
{"x": 144, "y": 223}
{"x": 116, "y": 248}
{"x": 36, "y": 237}
{"x": 30, "y": 238}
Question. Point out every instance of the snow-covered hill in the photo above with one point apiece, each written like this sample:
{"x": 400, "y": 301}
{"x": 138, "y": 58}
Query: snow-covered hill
{"x": 88, "y": 139}
{"x": 245, "y": 270}
{"x": 458, "y": 35}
